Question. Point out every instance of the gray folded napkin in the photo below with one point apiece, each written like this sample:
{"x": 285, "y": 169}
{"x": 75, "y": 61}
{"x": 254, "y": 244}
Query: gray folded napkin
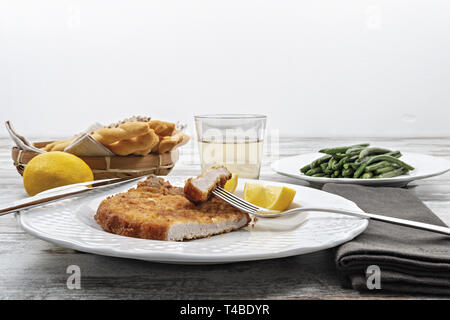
{"x": 410, "y": 260}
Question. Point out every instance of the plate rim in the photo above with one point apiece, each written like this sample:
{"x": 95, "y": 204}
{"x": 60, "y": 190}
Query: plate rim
{"x": 190, "y": 258}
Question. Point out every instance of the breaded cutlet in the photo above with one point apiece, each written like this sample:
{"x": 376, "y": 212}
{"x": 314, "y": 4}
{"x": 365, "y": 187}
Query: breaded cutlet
{"x": 157, "y": 210}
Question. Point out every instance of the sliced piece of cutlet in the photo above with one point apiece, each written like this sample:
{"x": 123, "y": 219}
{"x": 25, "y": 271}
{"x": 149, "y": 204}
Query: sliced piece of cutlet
{"x": 199, "y": 189}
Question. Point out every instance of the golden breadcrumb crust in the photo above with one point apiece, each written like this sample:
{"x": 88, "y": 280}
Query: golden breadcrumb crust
{"x": 149, "y": 210}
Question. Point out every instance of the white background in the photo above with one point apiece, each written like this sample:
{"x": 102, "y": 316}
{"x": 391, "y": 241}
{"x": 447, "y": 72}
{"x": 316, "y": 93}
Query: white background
{"x": 315, "y": 67}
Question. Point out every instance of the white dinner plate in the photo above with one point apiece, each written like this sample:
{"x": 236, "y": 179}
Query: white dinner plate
{"x": 70, "y": 223}
{"x": 425, "y": 167}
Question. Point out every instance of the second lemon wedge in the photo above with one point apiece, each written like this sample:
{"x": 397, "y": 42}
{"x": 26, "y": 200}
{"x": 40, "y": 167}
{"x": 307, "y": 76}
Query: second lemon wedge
{"x": 231, "y": 184}
{"x": 270, "y": 197}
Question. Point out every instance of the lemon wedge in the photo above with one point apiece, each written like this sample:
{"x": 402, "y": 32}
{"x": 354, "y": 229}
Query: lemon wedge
{"x": 269, "y": 197}
{"x": 255, "y": 193}
{"x": 231, "y": 184}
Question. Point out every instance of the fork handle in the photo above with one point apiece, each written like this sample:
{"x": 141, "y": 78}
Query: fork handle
{"x": 397, "y": 221}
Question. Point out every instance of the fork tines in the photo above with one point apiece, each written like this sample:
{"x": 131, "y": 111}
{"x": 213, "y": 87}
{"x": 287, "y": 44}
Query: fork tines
{"x": 235, "y": 201}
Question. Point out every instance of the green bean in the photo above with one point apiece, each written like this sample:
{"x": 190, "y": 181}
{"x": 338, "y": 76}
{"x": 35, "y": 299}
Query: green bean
{"x": 336, "y": 150}
{"x": 380, "y": 158}
{"x": 328, "y": 171}
{"x": 339, "y": 156}
{"x": 318, "y": 175}
{"x": 398, "y": 162}
{"x": 335, "y": 174}
{"x": 317, "y": 162}
{"x": 377, "y": 165}
{"x": 347, "y": 172}
{"x": 331, "y": 163}
{"x": 312, "y": 171}
{"x": 339, "y": 165}
{"x": 395, "y": 154}
{"x": 385, "y": 169}
{"x": 362, "y": 166}
{"x": 355, "y": 150}
{"x": 326, "y": 167}
{"x": 347, "y": 159}
{"x": 367, "y": 175}
{"x": 305, "y": 168}
{"x": 372, "y": 151}
{"x": 352, "y": 165}
{"x": 393, "y": 173}
{"x": 351, "y": 159}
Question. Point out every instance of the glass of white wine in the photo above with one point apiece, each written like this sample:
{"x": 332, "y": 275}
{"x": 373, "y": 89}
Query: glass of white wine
{"x": 232, "y": 140}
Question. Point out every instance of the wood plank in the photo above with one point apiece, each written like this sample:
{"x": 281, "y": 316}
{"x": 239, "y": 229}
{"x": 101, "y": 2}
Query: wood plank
{"x": 42, "y": 274}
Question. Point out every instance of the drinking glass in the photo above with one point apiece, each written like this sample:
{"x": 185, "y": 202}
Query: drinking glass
{"x": 232, "y": 140}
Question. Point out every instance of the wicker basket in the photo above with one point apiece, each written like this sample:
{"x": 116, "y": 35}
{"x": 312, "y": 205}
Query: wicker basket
{"x": 111, "y": 167}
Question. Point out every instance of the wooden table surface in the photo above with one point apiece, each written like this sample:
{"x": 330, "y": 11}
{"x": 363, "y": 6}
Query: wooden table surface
{"x": 34, "y": 269}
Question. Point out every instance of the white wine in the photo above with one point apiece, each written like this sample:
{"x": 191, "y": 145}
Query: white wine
{"x": 243, "y": 158}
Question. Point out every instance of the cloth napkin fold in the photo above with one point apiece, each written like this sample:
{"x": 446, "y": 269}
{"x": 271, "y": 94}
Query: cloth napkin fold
{"x": 410, "y": 260}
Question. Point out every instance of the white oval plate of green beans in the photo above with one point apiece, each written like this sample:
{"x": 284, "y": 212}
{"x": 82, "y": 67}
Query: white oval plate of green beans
{"x": 361, "y": 164}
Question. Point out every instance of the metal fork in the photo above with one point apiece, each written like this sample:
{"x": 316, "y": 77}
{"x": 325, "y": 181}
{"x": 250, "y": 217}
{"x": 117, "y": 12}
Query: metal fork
{"x": 265, "y": 213}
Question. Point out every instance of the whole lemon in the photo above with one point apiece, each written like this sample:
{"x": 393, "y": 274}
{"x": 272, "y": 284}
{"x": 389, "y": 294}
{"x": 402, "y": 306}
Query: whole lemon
{"x": 54, "y": 169}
